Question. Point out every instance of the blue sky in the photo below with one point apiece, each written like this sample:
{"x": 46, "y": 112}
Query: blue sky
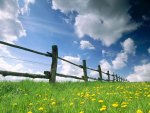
{"x": 112, "y": 34}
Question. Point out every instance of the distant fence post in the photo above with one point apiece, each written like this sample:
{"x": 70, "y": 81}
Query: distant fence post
{"x": 85, "y": 71}
{"x": 100, "y": 72}
{"x": 113, "y": 77}
{"x": 108, "y": 75}
{"x": 116, "y": 78}
{"x": 54, "y": 64}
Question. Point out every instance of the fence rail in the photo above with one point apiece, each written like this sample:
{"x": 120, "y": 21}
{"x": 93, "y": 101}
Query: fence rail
{"x": 51, "y": 75}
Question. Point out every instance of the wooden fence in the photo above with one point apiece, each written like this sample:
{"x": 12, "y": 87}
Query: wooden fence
{"x": 51, "y": 75}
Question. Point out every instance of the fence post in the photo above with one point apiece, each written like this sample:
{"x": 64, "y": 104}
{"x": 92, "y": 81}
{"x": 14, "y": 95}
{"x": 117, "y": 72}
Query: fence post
{"x": 100, "y": 72}
{"x": 116, "y": 78}
{"x": 54, "y": 64}
{"x": 85, "y": 71}
{"x": 113, "y": 77}
{"x": 108, "y": 75}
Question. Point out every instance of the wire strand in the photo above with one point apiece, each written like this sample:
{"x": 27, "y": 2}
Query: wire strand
{"x": 23, "y": 60}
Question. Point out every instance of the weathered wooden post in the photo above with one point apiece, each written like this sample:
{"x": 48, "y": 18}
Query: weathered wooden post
{"x": 85, "y": 71}
{"x": 100, "y": 72}
{"x": 108, "y": 76}
{"x": 116, "y": 78}
{"x": 113, "y": 77}
{"x": 54, "y": 64}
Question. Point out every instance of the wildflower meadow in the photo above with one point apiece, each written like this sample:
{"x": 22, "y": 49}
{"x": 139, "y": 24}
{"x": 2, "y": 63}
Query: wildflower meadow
{"x": 74, "y": 97}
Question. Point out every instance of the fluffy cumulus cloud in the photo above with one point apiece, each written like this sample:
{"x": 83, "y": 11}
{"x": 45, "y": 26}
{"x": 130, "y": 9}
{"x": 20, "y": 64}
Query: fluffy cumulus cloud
{"x": 7, "y": 66}
{"x": 102, "y": 20}
{"x": 69, "y": 69}
{"x": 141, "y": 73}
{"x": 120, "y": 61}
{"x": 105, "y": 65}
{"x": 129, "y": 46}
{"x": 25, "y": 8}
{"x": 128, "y": 49}
{"x": 86, "y": 45}
{"x": 11, "y": 28}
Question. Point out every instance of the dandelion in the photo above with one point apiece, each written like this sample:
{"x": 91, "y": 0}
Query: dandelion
{"x": 123, "y": 103}
{"x": 115, "y": 105}
{"x": 29, "y": 112}
{"x": 139, "y": 111}
{"x": 100, "y": 101}
{"x": 81, "y": 103}
{"x": 53, "y": 103}
{"x": 41, "y": 109}
{"x": 93, "y": 95}
{"x": 93, "y": 99}
{"x": 123, "y": 106}
{"x": 103, "y": 108}
{"x": 81, "y": 112}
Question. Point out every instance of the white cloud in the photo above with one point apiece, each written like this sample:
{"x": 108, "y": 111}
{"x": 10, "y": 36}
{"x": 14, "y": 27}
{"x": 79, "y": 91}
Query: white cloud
{"x": 141, "y": 73}
{"x": 120, "y": 61}
{"x": 122, "y": 58}
{"x": 129, "y": 46}
{"x": 105, "y": 65}
{"x": 94, "y": 74}
{"x": 11, "y": 27}
{"x": 148, "y": 50}
{"x": 101, "y": 20}
{"x": 26, "y": 8}
{"x": 69, "y": 69}
{"x": 86, "y": 45}
{"x": 7, "y": 66}
{"x": 11, "y": 30}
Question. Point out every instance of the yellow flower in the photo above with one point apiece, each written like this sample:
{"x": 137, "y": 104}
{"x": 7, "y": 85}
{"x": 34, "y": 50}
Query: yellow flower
{"x": 53, "y": 103}
{"x": 93, "y": 95}
{"x": 123, "y": 106}
{"x": 81, "y": 112}
{"x": 71, "y": 103}
{"x": 123, "y": 103}
{"x": 41, "y": 109}
{"x": 115, "y": 105}
{"x": 81, "y": 103}
{"x": 139, "y": 111}
{"x": 100, "y": 101}
{"x": 149, "y": 111}
{"x": 103, "y": 108}
{"x": 29, "y": 111}
{"x": 93, "y": 99}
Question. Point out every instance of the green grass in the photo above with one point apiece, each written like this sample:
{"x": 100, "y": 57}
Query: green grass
{"x": 39, "y": 97}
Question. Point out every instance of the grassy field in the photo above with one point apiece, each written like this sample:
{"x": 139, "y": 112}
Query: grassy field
{"x": 90, "y": 97}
